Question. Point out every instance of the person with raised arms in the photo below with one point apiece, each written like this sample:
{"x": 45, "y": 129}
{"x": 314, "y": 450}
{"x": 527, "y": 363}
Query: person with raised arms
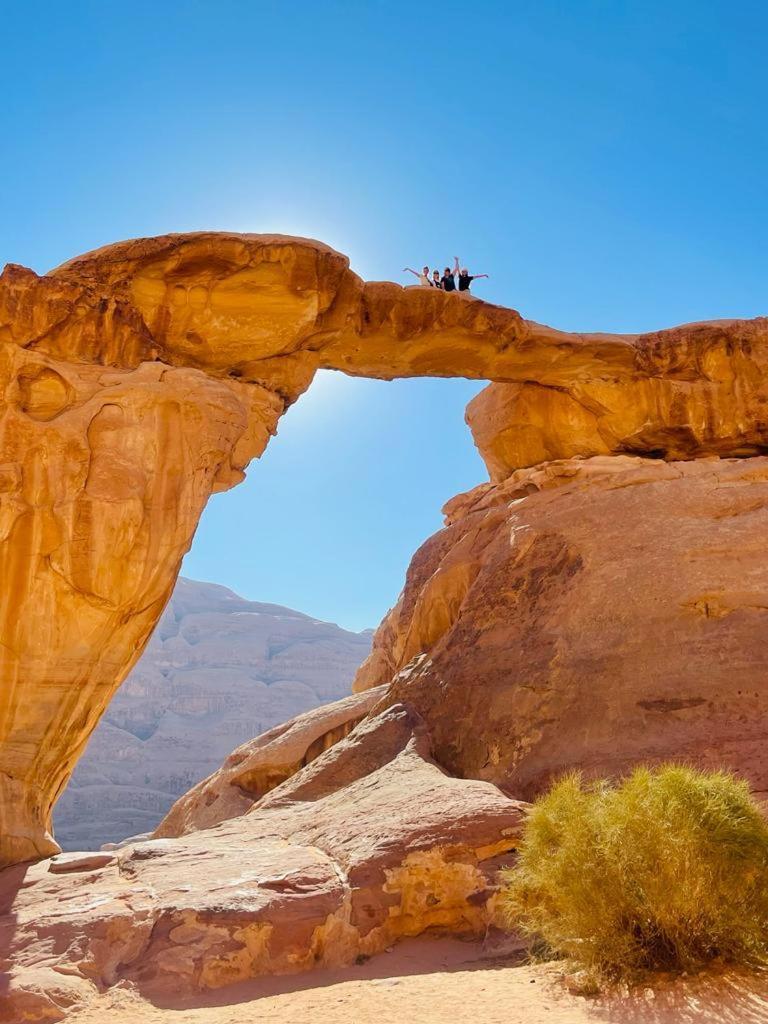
{"x": 449, "y": 278}
{"x": 423, "y": 277}
{"x": 465, "y": 278}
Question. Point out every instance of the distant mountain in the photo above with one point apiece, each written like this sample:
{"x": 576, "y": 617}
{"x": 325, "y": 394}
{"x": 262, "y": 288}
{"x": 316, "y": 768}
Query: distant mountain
{"x": 218, "y": 670}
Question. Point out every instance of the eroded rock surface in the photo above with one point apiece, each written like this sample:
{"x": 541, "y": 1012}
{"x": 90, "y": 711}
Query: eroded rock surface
{"x": 263, "y": 763}
{"x": 601, "y": 602}
{"x": 140, "y": 378}
{"x": 696, "y": 391}
{"x": 370, "y": 842}
{"x": 590, "y": 614}
{"x": 98, "y": 504}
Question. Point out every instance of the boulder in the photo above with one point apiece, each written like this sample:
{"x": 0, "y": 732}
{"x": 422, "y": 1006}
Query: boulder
{"x": 65, "y": 863}
{"x": 589, "y": 615}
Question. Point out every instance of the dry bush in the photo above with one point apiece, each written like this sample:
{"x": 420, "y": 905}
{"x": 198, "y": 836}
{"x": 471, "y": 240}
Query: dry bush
{"x": 666, "y": 870}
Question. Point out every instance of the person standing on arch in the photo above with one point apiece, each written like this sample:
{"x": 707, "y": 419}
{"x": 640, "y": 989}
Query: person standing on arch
{"x": 449, "y": 278}
{"x": 465, "y": 278}
{"x": 423, "y": 277}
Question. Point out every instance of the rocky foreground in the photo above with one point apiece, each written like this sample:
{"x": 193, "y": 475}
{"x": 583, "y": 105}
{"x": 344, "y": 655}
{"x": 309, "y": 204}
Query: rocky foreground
{"x": 599, "y": 603}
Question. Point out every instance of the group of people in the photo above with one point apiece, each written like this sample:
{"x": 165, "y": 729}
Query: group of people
{"x": 452, "y": 280}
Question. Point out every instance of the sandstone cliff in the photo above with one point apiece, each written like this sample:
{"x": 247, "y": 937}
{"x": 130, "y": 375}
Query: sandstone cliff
{"x": 598, "y": 603}
{"x": 217, "y": 671}
{"x": 590, "y": 614}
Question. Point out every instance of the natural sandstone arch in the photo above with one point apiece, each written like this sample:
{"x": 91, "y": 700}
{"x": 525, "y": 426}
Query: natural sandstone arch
{"x": 141, "y": 378}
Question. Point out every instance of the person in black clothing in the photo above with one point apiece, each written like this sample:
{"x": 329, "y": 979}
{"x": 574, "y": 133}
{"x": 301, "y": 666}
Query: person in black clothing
{"x": 448, "y": 279}
{"x": 436, "y": 282}
{"x": 465, "y": 278}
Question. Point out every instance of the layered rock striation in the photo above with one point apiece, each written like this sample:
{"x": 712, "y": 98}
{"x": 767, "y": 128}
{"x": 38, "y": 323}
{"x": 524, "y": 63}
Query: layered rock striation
{"x": 695, "y": 391}
{"x": 369, "y": 843}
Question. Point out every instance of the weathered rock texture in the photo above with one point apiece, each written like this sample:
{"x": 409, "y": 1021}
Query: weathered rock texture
{"x": 263, "y": 763}
{"x": 590, "y": 614}
{"x": 694, "y": 391}
{"x": 368, "y": 843}
{"x": 600, "y": 602}
{"x": 142, "y": 377}
{"x": 217, "y": 671}
{"x": 136, "y": 381}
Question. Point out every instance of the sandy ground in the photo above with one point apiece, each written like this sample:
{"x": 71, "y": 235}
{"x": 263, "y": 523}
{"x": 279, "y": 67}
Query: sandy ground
{"x": 442, "y": 982}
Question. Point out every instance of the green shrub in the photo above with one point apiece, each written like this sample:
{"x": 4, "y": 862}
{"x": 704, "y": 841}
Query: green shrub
{"x": 666, "y": 870}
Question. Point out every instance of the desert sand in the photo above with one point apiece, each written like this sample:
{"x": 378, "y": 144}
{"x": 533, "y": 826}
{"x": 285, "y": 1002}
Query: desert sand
{"x": 433, "y": 981}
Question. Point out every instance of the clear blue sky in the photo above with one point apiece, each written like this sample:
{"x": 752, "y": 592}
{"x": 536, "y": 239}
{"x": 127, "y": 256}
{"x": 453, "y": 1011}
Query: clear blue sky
{"x": 604, "y": 161}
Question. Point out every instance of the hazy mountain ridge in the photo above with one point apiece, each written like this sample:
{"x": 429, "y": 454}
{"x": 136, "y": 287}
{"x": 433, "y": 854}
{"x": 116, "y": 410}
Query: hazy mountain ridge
{"x": 218, "y": 670}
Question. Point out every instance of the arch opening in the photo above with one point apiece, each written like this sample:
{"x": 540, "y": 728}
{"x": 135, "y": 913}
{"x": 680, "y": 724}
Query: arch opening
{"x": 324, "y": 524}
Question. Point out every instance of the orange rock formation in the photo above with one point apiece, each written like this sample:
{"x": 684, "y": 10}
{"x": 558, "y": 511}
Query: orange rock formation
{"x": 257, "y": 767}
{"x": 589, "y": 614}
{"x": 600, "y": 602}
{"x": 140, "y": 378}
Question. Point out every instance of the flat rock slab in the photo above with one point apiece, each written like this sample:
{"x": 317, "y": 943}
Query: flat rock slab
{"x": 65, "y": 863}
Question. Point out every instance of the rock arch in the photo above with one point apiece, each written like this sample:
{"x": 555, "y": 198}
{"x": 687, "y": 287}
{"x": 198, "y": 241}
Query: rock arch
{"x": 141, "y": 378}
